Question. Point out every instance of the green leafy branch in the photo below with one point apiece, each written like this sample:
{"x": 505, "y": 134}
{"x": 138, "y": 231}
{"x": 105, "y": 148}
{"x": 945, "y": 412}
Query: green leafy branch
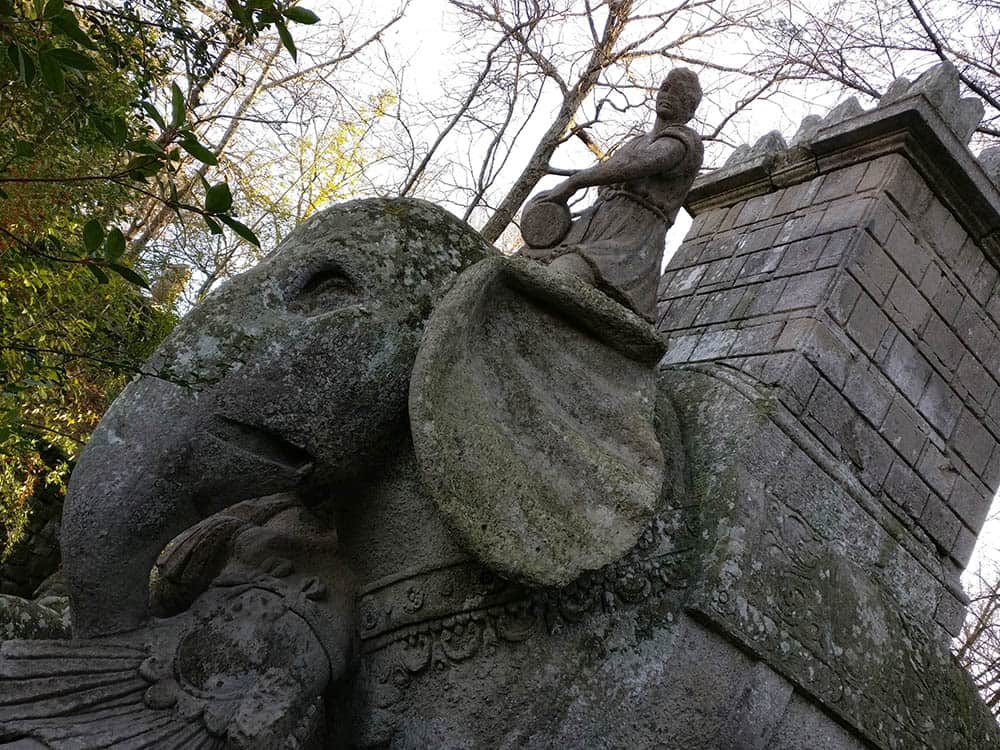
{"x": 45, "y": 40}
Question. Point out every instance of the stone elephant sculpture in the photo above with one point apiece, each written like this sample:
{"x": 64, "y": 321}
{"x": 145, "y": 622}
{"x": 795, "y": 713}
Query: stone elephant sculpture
{"x": 287, "y": 395}
{"x": 396, "y": 491}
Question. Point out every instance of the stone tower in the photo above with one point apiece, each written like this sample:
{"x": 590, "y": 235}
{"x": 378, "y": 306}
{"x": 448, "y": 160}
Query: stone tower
{"x": 843, "y": 291}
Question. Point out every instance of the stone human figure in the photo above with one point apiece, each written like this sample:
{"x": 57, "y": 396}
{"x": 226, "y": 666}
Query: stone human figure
{"x": 617, "y": 244}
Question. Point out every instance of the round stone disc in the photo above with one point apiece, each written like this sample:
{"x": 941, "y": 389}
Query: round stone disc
{"x": 544, "y": 223}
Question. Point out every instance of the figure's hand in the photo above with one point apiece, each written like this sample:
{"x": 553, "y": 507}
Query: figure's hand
{"x": 561, "y": 193}
{"x": 263, "y": 536}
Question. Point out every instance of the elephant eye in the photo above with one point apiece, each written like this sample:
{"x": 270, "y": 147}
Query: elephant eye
{"x": 324, "y": 291}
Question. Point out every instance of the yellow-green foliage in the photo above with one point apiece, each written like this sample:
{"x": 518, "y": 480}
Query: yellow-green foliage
{"x": 67, "y": 346}
{"x": 67, "y": 342}
{"x": 310, "y": 173}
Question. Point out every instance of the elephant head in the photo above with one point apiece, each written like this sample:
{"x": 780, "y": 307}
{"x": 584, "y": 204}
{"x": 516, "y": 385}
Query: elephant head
{"x": 291, "y": 376}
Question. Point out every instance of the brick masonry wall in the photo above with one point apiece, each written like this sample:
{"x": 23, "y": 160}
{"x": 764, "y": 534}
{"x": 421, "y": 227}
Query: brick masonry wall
{"x": 861, "y": 301}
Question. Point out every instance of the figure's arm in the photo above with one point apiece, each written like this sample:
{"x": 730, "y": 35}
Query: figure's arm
{"x": 657, "y": 157}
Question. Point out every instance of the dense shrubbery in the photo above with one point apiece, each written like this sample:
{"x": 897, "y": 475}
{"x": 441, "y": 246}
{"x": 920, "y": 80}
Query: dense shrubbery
{"x": 96, "y": 119}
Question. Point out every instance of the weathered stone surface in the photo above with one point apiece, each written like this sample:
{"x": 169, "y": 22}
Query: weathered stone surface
{"x": 23, "y": 618}
{"x": 531, "y": 408}
{"x": 845, "y": 110}
{"x": 989, "y": 158}
{"x": 914, "y": 303}
{"x": 940, "y": 86}
{"x": 811, "y": 580}
{"x": 739, "y": 155}
{"x": 417, "y": 596}
{"x": 259, "y": 635}
{"x": 807, "y": 128}
{"x": 896, "y": 90}
{"x": 872, "y": 459}
{"x": 273, "y": 534}
{"x": 767, "y": 145}
{"x": 756, "y": 549}
{"x": 544, "y": 223}
{"x": 242, "y": 398}
{"x": 244, "y": 668}
{"x": 968, "y": 115}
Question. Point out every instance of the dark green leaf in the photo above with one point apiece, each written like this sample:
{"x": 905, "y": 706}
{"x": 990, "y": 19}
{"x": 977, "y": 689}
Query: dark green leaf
{"x": 114, "y": 245}
{"x": 177, "y": 108}
{"x": 28, "y": 69}
{"x": 129, "y": 275}
{"x": 198, "y": 151}
{"x": 238, "y": 11}
{"x": 53, "y": 8}
{"x": 120, "y": 130}
{"x": 22, "y": 63}
{"x": 174, "y": 198}
{"x": 6, "y": 8}
{"x": 213, "y": 225}
{"x": 112, "y": 128}
{"x": 3, "y": 194}
{"x": 69, "y": 58}
{"x": 106, "y": 128}
{"x": 300, "y": 15}
{"x": 52, "y": 72}
{"x": 146, "y": 146}
{"x": 93, "y": 235}
{"x": 155, "y": 115}
{"x": 102, "y": 278}
{"x": 286, "y": 39}
{"x": 141, "y": 162}
{"x": 66, "y": 23}
{"x": 143, "y": 166}
{"x": 241, "y": 229}
{"x": 24, "y": 148}
{"x": 218, "y": 199}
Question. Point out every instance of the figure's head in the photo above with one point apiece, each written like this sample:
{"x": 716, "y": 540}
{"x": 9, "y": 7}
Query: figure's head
{"x": 679, "y": 96}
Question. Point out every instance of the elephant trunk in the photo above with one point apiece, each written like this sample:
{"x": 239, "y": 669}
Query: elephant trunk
{"x": 162, "y": 459}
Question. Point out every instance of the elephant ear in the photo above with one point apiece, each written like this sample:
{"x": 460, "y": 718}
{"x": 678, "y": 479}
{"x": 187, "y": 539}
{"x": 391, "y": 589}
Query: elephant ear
{"x": 532, "y": 411}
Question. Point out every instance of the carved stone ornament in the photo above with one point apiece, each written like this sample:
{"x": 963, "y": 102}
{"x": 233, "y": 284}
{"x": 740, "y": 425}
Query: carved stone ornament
{"x": 242, "y": 669}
